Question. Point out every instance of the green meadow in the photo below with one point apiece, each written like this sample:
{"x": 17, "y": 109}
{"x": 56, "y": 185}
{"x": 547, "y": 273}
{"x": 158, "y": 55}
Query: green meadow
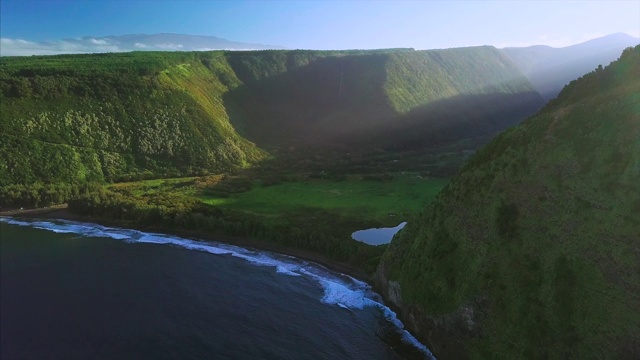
{"x": 388, "y": 202}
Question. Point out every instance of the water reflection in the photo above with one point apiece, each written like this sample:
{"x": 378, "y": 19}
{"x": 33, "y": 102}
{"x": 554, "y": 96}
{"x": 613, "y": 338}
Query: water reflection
{"x": 377, "y": 236}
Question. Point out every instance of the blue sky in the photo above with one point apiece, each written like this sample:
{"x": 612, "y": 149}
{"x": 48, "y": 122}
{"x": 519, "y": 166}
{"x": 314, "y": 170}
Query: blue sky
{"x": 329, "y": 24}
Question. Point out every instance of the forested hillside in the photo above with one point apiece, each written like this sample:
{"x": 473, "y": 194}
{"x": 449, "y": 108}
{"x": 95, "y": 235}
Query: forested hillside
{"x": 532, "y": 250}
{"x": 77, "y": 118}
{"x": 114, "y": 117}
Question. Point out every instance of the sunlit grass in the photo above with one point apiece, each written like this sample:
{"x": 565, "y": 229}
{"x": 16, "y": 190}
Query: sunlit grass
{"x": 390, "y": 201}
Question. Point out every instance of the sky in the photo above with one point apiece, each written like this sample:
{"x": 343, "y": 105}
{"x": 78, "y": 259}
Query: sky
{"x": 316, "y": 24}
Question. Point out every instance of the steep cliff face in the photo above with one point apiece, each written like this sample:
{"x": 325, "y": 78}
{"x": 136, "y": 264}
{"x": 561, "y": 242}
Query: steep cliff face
{"x": 447, "y": 335}
{"x": 532, "y": 250}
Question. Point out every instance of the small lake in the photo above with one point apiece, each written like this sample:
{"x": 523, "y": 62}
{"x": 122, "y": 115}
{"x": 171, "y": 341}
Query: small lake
{"x": 377, "y": 236}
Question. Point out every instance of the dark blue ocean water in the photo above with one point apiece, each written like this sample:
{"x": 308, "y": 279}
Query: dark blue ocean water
{"x": 83, "y": 291}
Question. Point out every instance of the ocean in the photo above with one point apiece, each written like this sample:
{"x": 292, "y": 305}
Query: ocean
{"x": 74, "y": 290}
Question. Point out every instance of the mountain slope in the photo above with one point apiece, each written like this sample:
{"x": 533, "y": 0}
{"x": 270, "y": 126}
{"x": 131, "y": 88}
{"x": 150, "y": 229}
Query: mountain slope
{"x": 77, "y": 118}
{"x": 549, "y": 69}
{"x": 532, "y": 251}
{"x": 376, "y": 98}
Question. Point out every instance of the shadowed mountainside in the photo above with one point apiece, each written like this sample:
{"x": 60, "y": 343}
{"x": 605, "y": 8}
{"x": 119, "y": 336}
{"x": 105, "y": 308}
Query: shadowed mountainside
{"x": 376, "y": 99}
{"x": 532, "y": 250}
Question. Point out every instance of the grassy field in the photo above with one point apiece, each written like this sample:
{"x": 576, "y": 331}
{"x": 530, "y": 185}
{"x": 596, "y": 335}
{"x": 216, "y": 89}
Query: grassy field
{"x": 388, "y": 202}
{"x": 184, "y": 186}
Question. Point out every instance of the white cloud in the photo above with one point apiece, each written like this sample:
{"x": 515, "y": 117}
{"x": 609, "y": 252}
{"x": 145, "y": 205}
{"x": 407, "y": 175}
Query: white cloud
{"x": 170, "y": 42}
{"x": 169, "y": 46}
{"x": 98, "y": 42}
{"x": 19, "y": 47}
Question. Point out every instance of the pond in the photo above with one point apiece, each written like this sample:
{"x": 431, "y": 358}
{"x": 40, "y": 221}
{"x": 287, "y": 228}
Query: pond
{"x": 377, "y": 236}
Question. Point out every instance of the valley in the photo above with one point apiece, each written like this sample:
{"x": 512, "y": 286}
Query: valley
{"x": 522, "y": 218}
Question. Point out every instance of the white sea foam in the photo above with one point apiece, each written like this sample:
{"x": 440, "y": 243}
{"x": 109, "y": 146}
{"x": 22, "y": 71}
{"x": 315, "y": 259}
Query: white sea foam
{"x": 12, "y": 221}
{"x": 339, "y": 289}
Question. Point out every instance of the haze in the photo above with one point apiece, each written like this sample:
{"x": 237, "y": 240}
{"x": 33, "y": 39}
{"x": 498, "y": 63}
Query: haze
{"x": 32, "y": 25}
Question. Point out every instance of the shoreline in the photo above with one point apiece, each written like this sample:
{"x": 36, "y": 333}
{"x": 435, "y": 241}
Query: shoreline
{"x": 61, "y": 212}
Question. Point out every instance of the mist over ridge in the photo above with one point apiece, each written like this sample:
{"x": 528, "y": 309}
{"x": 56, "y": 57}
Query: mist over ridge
{"x": 549, "y": 68}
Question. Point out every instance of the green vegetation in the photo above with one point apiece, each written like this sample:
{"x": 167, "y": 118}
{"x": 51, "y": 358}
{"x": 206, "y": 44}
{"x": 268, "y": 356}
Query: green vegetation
{"x": 42, "y": 195}
{"x": 275, "y": 215}
{"x": 78, "y": 118}
{"x": 173, "y": 205}
{"x": 377, "y": 200}
{"x": 387, "y": 202}
{"x": 422, "y": 77}
{"x": 131, "y": 116}
{"x": 539, "y": 232}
